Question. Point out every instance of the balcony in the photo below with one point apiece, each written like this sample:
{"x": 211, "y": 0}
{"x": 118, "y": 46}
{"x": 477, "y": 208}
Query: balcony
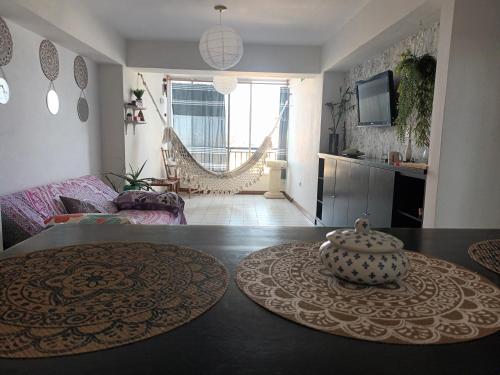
{"x": 226, "y": 159}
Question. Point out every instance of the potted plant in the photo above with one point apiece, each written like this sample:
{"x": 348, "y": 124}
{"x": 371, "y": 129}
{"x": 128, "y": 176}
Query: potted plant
{"x": 337, "y": 111}
{"x": 416, "y": 93}
{"x": 138, "y": 93}
{"x": 133, "y": 180}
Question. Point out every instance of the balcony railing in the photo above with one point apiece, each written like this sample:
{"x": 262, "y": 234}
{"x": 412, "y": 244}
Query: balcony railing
{"x": 224, "y": 159}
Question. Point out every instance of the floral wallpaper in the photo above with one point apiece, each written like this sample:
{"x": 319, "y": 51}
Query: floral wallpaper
{"x": 378, "y": 141}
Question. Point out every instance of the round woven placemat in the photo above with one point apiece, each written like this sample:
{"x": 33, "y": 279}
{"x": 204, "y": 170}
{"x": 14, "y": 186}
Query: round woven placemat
{"x": 84, "y": 298}
{"x": 436, "y": 303}
{"x": 487, "y": 254}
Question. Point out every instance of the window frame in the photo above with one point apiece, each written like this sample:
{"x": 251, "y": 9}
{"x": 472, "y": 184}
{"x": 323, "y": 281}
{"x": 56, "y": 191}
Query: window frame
{"x": 227, "y": 99}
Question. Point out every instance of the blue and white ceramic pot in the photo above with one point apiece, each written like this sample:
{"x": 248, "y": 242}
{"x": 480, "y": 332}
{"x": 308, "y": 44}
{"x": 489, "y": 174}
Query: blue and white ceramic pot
{"x": 364, "y": 256}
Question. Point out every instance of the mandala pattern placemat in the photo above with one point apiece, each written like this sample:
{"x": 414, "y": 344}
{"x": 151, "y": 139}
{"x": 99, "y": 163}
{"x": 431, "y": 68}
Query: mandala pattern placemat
{"x": 84, "y": 298}
{"x": 437, "y": 302}
{"x": 487, "y": 254}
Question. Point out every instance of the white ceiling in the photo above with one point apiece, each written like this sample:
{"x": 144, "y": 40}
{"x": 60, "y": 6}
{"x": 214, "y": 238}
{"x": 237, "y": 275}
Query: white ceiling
{"x": 291, "y": 22}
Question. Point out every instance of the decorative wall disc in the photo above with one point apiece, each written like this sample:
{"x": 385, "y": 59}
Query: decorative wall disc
{"x": 49, "y": 59}
{"x": 81, "y": 73}
{"x": 83, "y": 109}
{"x": 4, "y": 91}
{"x": 6, "y": 43}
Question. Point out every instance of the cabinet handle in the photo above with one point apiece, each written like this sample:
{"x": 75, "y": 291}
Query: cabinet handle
{"x": 333, "y": 196}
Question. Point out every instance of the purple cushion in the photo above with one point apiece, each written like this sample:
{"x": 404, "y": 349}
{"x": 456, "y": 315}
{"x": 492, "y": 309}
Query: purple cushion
{"x": 77, "y": 206}
{"x": 149, "y": 200}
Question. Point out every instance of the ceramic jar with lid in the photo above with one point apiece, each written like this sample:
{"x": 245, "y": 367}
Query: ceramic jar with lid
{"x": 364, "y": 256}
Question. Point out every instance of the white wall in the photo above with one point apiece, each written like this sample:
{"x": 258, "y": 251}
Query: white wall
{"x": 145, "y": 144}
{"x": 257, "y": 57}
{"x": 303, "y": 141}
{"x": 380, "y": 24}
{"x": 69, "y": 23}
{"x": 35, "y": 146}
{"x": 112, "y": 126}
{"x": 463, "y": 188}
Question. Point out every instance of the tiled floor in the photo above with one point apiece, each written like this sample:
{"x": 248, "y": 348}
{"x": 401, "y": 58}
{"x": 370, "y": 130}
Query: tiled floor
{"x": 242, "y": 210}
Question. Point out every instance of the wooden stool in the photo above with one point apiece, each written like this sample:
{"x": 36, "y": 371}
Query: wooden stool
{"x": 171, "y": 184}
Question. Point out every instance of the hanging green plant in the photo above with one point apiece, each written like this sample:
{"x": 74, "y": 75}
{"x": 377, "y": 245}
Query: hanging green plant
{"x": 416, "y": 93}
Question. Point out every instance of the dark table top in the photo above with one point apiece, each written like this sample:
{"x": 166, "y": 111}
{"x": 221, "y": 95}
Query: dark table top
{"x": 237, "y": 336}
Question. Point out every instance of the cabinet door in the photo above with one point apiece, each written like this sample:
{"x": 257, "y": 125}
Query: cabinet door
{"x": 328, "y": 191}
{"x": 358, "y": 192}
{"x": 380, "y": 197}
{"x": 341, "y": 200}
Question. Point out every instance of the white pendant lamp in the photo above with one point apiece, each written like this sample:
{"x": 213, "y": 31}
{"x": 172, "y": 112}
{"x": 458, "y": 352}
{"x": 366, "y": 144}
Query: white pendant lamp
{"x": 225, "y": 84}
{"x": 221, "y": 47}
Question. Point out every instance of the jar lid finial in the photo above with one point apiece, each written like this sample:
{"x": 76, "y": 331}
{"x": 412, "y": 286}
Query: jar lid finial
{"x": 362, "y": 225}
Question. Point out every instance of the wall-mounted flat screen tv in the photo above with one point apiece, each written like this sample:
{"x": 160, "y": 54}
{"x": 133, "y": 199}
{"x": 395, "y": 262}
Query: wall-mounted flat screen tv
{"x": 376, "y": 100}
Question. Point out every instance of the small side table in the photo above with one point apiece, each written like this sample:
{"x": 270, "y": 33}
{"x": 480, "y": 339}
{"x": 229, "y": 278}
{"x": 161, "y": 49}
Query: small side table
{"x": 171, "y": 185}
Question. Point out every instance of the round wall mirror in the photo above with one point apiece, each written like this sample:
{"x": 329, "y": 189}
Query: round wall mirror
{"x": 4, "y": 91}
{"x": 52, "y": 102}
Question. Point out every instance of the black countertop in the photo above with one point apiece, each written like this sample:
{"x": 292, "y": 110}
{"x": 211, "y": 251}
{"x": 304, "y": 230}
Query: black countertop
{"x": 416, "y": 172}
{"x": 238, "y": 337}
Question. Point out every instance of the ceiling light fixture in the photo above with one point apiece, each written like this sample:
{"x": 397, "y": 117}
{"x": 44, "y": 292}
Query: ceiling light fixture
{"x": 225, "y": 84}
{"x": 221, "y": 47}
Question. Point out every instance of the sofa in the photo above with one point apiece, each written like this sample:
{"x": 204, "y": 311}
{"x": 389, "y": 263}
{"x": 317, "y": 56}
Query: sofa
{"x": 24, "y": 212}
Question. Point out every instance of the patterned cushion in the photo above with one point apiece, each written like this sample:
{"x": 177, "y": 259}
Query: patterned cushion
{"x": 153, "y": 217}
{"x": 89, "y": 218}
{"x": 90, "y": 188}
{"x": 148, "y": 200}
{"x": 75, "y": 206}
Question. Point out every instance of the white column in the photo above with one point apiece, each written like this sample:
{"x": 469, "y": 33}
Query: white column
{"x": 463, "y": 183}
{"x": 275, "y": 167}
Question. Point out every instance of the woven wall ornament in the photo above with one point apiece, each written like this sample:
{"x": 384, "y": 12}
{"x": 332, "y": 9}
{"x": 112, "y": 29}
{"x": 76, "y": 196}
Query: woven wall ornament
{"x": 49, "y": 59}
{"x": 6, "y": 44}
{"x": 81, "y": 73}
{"x": 82, "y": 79}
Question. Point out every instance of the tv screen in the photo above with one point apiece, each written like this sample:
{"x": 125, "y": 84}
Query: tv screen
{"x": 376, "y": 100}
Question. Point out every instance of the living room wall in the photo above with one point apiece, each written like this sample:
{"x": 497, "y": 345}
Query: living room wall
{"x": 375, "y": 141}
{"x": 37, "y": 147}
{"x": 144, "y": 143}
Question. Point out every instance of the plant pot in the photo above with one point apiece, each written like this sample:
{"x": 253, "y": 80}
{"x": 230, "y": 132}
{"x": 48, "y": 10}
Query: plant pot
{"x": 131, "y": 187}
{"x": 408, "y": 153}
{"x": 138, "y": 102}
{"x": 333, "y": 144}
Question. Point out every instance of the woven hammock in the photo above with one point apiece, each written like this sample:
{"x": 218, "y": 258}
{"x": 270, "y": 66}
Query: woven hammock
{"x": 194, "y": 175}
